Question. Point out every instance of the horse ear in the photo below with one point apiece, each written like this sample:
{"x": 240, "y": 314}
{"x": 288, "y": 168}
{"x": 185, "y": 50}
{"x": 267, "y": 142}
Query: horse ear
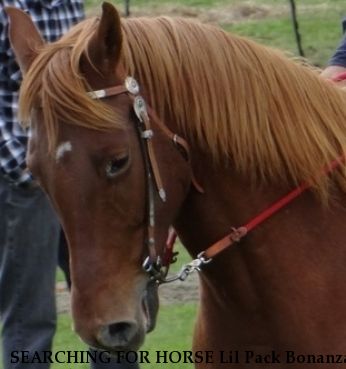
{"x": 24, "y": 37}
{"x": 104, "y": 48}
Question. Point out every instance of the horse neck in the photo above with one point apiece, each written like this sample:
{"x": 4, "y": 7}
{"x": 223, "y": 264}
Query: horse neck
{"x": 229, "y": 200}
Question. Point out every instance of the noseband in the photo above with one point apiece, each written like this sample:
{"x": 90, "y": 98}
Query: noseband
{"x": 154, "y": 264}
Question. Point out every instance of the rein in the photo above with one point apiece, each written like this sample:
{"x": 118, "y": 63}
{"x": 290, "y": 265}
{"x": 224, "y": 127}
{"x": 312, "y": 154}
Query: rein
{"x": 154, "y": 264}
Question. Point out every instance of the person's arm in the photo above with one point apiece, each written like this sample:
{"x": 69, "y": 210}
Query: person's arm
{"x": 337, "y": 63}
{"x": 12, "y": 136}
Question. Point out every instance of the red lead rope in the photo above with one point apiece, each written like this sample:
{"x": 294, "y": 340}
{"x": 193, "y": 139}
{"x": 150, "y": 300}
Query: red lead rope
{"x": 238, "y": 233}
{"x": 340, "y": 77}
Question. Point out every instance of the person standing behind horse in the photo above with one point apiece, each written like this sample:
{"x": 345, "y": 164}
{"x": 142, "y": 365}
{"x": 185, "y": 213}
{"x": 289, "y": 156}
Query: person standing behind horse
{"x": 29, "y": 230}
{"x": 28, "y": 227}
{"x": 337, "y": 63}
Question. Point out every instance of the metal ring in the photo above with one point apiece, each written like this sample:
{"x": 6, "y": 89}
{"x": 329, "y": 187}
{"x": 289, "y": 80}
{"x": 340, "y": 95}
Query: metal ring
{"x": 204, "y": 260}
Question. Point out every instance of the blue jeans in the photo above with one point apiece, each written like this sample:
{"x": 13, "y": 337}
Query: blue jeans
{"x": 29, "y": 234}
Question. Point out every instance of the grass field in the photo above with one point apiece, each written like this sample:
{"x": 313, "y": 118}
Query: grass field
{"x": 267, "y": 21}
{"x": 320, "y": 33}
{"x": 320, "y": 28}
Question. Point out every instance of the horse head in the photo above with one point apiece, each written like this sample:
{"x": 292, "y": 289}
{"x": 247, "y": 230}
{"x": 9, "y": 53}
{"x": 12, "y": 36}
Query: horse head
{"x": 94, "y": 161}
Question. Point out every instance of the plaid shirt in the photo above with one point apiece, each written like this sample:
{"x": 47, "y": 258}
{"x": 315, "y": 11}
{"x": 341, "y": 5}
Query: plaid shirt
{"x": 339, "y": 58}
{"x": 53, "y": 18}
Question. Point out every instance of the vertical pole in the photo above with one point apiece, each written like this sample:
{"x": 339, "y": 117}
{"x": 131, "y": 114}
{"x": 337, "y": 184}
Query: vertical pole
{"x": 296, "y": 28}
{"x": 127, "y": 8}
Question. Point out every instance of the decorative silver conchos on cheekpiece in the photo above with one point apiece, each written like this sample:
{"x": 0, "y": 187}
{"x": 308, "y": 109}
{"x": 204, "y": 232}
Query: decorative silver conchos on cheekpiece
{"x": 140, "y": 108}
{"x": 132, "y": 85}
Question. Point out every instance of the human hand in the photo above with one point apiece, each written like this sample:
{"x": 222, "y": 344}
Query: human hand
{"x": 336, "y": 74}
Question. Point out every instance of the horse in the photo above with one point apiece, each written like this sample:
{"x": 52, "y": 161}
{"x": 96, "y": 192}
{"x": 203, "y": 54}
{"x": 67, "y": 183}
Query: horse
{"x": 140, "y": 124}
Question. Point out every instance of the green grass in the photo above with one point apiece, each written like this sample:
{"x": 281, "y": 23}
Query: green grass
{"x": 320, "y": 34}
{"x": 183, "y": 258}
{"x": 60, "y": 277}
{"x": 173, "y": 332}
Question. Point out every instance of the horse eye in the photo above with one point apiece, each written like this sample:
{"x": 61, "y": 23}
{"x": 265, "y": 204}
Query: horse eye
{"x": 115, "y": 165}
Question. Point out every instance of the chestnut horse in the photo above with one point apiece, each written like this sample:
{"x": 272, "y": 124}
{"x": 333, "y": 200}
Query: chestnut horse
{"x": 256, "y": 124}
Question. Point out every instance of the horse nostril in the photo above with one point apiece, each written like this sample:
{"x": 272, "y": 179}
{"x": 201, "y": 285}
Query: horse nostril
{"x": 118, "y": 327}
{"x": 117, "y": 334}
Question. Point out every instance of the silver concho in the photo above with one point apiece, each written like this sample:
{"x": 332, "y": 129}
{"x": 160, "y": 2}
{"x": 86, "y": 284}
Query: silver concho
{"x": 140, "y": 108}
{"x": 132, "y": 85}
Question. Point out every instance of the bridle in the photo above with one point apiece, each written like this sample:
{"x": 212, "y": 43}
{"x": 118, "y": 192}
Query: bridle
{"x": 155, "y": 264}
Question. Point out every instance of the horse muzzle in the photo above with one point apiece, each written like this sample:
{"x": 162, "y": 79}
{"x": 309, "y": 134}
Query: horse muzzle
{"x": 129, "y": 335}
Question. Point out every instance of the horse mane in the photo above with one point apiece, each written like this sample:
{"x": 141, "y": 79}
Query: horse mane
{"x": 272, "y": 118}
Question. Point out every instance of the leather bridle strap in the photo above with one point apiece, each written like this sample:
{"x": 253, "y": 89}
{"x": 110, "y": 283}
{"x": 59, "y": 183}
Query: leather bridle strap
{"x": 178, "y": 140}
{"x": 110, "y": 91}
{"x": 153, "y": 264}
{"x": 147, "y": 134}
